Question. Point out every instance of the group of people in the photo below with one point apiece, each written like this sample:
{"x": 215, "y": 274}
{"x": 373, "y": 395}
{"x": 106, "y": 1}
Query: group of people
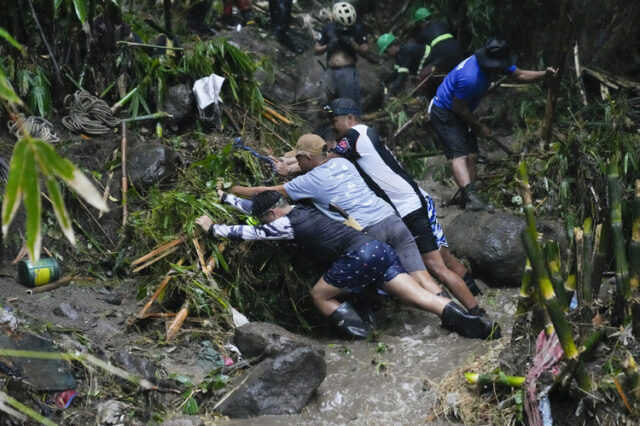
{"x": 370, "y": 223}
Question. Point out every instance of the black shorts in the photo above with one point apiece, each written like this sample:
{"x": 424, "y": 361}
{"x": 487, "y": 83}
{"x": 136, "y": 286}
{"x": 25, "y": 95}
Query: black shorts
{"x": 456, "y": 138}
{"x": 420, "y": 226}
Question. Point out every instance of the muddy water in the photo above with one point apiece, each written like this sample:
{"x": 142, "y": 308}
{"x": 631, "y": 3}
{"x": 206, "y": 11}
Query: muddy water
{"x": 390, "y": 382}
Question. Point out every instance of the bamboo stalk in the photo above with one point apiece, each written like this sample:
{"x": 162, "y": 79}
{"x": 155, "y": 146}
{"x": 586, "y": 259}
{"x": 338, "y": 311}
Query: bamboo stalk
{"x": 494, "y": 379}
{"x": 522, "y": 179}
{"x": 622, "y": 268}
{"x": 634, "y": 245}
{"x": 155, "y": 46}
{"x": 554, "y": 266}
{"x": 6, "y": 401}
{"x": 587, "y": 266}
{"x": 277, "y": 115}
{"x": 152, "y": 261}
{"x": 177, "y": 322}
{"x": 525, "y": 298}
{"x": 54, "y": 285}
{"x": 549, "y": 297}
{"x": 576, "y": 366}
{"x": 600, "y": 252}
{"x": 576, "y": 61}
{"x": 156, "y": 293}
{"x": 123, "y": 167}
{"x": 632, "y": 381}
{"x": 158, "y": 250}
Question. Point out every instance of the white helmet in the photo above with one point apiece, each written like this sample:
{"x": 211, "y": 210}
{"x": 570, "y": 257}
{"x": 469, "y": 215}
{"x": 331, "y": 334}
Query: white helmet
{"x": 344, "y": 13}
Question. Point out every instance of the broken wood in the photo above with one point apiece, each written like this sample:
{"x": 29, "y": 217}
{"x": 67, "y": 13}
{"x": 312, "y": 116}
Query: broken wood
{"x": 405, "y": 125}
{"x": 614, "y": 82}
{"x": 152, "y": 261}
{"x": 177, "y": 322}
{"x": 203, "y": 264}
{"x": 277, "y": 115}
{"x": 158, "y": 250}
{"x": 156, "y": 293}
{"x": 576, "y": 62}
{"x": 54, "y": 285}
{"x": 21, "y": 254}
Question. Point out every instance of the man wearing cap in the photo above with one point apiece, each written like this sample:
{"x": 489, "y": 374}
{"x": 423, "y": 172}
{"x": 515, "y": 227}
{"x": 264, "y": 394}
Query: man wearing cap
{"x": 381, "y": 171}
{"x": 336, "y": 181}
{"x": 355, "y": 262}
{"x": 452, "y": 108}
{"x": 342, "y": 40}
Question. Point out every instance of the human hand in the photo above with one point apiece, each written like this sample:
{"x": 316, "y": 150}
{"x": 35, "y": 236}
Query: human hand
{"x": 282, "y": 169}
{"x": 553, "y": 72}
{"x": 219, "y": 183}
{"x": 204, "y": 222}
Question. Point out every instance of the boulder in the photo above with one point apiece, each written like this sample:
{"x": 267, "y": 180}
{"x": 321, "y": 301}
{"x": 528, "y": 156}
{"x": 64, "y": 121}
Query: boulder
{"x": 149, "y": 164}
{"x": 491, "y": 243}
{"x": 257, "y": 338}
{"x": 179, "y": 102}
{"x": 280, "y": 385}
{"x": 139, "y": 365}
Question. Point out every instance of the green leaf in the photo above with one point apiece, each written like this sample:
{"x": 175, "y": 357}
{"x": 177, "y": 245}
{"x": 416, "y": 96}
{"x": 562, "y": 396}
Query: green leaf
{"x": 59, "y": 209}
{"x": 4, "y": 34}
{"x": 6, "y": 91}
{"x": 190, "y": 407}
{"x": 65, "y": 170}
{"x": 13, "y": 191}
{"x": 32, "y": 204}
{"x": 81, "y": 10}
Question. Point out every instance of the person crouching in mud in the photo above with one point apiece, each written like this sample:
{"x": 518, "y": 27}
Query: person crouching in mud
{"x": 355, "y": 262}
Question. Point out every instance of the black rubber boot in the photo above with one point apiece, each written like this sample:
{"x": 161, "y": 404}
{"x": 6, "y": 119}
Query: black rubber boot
{"x": 347, "y": 320}
{"x": 455, "y": 319}
{"x": 472, "y": 201}
{"x": 364, "y": 307}
{"x": 471, "y": 283}
{"x": 477, "y": 311}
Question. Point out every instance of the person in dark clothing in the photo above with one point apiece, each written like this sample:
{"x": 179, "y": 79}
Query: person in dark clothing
{"x": 442, "y": 51}
{"x": 355, "y": 262}
{"x": 342, "y": 40}
{"x": 196, "y": 18}
{"x": 408, "y": 58}
{"x": 280, "y": 13}
{"x": 244, "y": 6}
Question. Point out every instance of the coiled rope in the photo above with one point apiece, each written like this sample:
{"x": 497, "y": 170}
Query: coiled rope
{"x": 88, "y": 114}
{"x": 37, "y": 127}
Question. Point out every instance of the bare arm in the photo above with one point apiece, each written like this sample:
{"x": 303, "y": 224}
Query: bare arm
{"x": 528, "y": 76}
{"x": 319, "y": 49}
{"x": 363, "y": 50}
{"x": 250, "y": 191}
{"x": 461, "y": 109}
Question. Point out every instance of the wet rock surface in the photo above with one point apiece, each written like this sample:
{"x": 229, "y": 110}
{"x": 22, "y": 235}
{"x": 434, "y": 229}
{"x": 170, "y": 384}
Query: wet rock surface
{"x": 151, "y": 164}
{"x": 258, "y": 338}
{"x": 280, "y": 385}
{"x": 491, "y": 242}
{"x": 179, "y": 102}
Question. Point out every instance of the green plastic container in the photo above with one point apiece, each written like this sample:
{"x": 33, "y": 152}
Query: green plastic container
{"x": 42, "y": 272}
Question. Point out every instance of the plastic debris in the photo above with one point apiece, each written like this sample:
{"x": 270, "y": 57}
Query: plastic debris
{"x": 63, "y": 399}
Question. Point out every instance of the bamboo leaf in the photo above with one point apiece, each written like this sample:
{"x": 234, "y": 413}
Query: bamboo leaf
{"x": 32, "y": 204}
{"x": 73, "y": 177}
{"x": 81, "y": 10}
{"x": 59, "y": 209}
{"x": 12, "y": 41}
{"x": 13, "y": 192}
{"x": 6, "y": 91}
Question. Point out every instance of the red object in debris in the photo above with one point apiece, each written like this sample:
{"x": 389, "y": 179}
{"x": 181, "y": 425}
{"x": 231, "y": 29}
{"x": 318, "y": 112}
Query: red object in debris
{"x": 227, "y": 361}
{"x": 63, "y": 399}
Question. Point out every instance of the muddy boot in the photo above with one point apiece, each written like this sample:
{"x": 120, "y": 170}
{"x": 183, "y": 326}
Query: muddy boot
{"x": 472, "y": 201}
{"x": 455, "y": 319}
{"x": 347, "y": 320}
{"x": 477, "y": 311}
{"x": 364, "y": 307}
{"x": 247, "y": 18}
{"x": 471, "y": 283}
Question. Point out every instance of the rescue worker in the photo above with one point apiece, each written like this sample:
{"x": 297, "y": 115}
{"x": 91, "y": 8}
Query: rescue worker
{"x": 280, "y": 13}
{"x": 452, "y": 116}
{"x": 355, "y": 262}
{"x": 408, "y": 59}
{"x": 244, "y": 6}
{"x": 342, "y": 40}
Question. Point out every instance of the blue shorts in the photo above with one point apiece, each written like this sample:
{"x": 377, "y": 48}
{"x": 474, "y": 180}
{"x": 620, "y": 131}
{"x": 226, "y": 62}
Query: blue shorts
{"x": 356, "y": 270}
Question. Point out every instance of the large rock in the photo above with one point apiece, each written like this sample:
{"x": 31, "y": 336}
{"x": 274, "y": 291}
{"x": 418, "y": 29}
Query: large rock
{"x": 491, "y": 243}
{"x": 179, "y": 102}
{"x": 257, "y": 338}
{"x": 150, "y": 164}
{"x": 280, "y": 385}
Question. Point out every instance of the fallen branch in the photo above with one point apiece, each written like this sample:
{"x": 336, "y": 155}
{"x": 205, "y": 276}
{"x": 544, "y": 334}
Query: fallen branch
{"x": 177, "y": 322}
{"x": 54, "y": 285}
{"x": 152, "y": 261}
{"x": 154, "y": 296}
{"x": 6, "y": 402}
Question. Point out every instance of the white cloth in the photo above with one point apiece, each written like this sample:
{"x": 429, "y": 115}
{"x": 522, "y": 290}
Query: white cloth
{"x": 207, "y": 90}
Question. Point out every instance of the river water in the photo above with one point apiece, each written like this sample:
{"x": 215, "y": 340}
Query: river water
{"x": 390, "y": 382}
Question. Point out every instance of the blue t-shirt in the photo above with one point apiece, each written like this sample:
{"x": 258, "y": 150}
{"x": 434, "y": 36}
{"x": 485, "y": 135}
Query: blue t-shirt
{"x": 467, "y": 82}
{"x": 337, "y": 181}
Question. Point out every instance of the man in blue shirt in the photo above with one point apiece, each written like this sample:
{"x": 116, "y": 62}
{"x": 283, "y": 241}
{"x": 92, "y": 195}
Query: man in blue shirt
{"x": 452, "y": 108}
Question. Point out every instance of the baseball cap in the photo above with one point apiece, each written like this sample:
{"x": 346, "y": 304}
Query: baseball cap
{"x": 308, "y": 144}
{"x": 343, "y": 106}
